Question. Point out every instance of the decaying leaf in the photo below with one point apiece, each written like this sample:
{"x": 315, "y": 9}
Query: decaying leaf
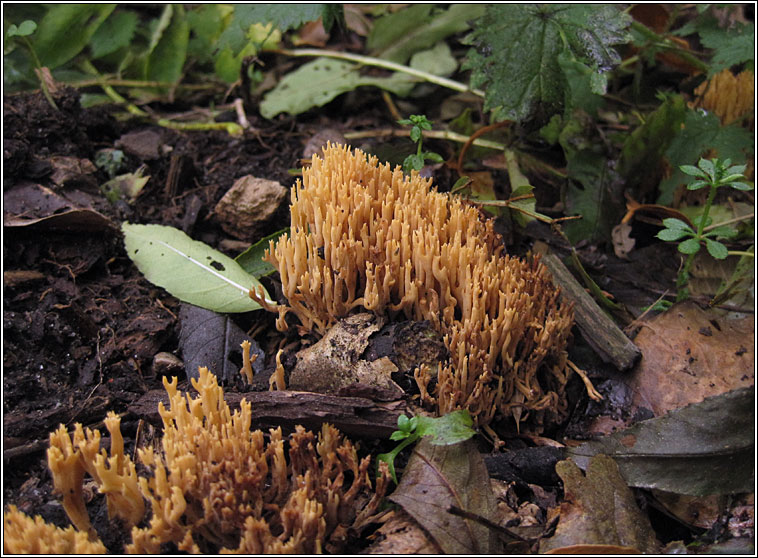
{"x": 599, "y": 509}
{"x": 689, "y": 354}
{"x": 438, "y": 477}
{"x": 209, "y": 339}
{"x": 701, "y": 449}
{"x": 334, "y": 365}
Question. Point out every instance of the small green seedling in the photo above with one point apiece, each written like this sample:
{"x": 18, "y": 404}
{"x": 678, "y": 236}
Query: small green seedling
{"x": 416, "y": 160}
{"x": 447, "y": 430}
{"x": 712, "y": 174}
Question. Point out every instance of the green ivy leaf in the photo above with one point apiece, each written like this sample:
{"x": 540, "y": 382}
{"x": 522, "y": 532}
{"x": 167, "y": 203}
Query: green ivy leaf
{"x": 189, "y": 270}
{"x": 516, "y": 48}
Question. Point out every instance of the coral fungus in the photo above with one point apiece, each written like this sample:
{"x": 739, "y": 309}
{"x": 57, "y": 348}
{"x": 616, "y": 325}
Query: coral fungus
{"x": 365, "y": 236}
{"x": 215, "y": 485}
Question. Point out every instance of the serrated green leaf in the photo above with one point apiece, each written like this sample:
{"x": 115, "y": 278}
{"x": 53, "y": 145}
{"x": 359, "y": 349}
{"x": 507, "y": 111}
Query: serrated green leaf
{"x": 189, "y": 270}
{"x": 515, "y": 59}
{"x": 670, "y": 235}
{"x": 689, "y": 246}
{"x": 731, "y": 46}
{"x": 66, "y": 29}
{"x": 167, "y": 56}
{"x": 702, "y": 132}
{"x": 116, "y": 32}
{"x": 251, "y": 259}
{"x": 283, "y": 16}
{"x": 317, "y": 82}
{"x": 716, "y": 249}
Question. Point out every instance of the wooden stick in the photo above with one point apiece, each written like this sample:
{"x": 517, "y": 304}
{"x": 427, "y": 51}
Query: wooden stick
{"x": 598, "y": 329}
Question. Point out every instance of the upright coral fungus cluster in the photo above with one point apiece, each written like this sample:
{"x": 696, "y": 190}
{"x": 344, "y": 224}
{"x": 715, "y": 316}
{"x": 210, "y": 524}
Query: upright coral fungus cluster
{"x": 364, "y": 235}
{"x": 214, "y": 485}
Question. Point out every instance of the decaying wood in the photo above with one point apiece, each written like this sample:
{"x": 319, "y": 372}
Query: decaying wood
{"x": 598, "y": 329}
{"x": 354, "y": 416}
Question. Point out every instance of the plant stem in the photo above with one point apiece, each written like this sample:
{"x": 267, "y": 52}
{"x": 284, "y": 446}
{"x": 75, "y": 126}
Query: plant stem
{"x": 380, "y": 63}
{"x": 432, "y": 134}
{"x": 730, "y": 221}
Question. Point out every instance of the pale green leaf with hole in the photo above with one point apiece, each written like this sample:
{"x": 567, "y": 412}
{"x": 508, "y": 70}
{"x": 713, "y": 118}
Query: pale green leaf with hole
{"x": 189, "y": 270}
{"x": 316, "y": 83}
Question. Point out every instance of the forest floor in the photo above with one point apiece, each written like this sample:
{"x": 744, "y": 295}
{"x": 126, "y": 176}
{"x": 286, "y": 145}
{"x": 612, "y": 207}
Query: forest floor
{"x": 82, "y": 326}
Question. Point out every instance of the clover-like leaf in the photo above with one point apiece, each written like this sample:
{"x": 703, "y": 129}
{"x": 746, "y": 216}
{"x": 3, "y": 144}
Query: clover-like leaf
{"x": 689, "y": 246}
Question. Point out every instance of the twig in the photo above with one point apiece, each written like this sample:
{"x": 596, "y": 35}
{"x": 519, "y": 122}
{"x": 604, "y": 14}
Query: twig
{"x": 431, "y": 134}
{"x": 386, "y": 64}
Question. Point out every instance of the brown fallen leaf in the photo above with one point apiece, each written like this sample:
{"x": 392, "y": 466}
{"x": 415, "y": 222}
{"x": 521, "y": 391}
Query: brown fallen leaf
{"x": 690, "y": 354}
{"x": 598, "y": 509}
{"x": 440, "y": 477}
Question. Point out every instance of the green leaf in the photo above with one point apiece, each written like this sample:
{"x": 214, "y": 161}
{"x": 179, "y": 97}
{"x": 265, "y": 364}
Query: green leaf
{"x": 433, "y": 157}
{"x": 448, "y": 429}
{"x": 317, "y": 82}
{"x": 24, "y": 29}
{"x": 731, "y": 46}
{"x": 716, "y": 249}
{"x": 116, "y": 32}
{"x": 167, "y": 56}
{"x": 516, "y": 48}
{"x": 189, "y": 270}
{"x": 415, "y": 134}
{"x": 251, "y": 259}
{"x": 400, "y": 35}
{"x": 594, "y": 193}
{"x": 708, "y": 168}
{"x": 723, "y": 232}
{"x": 677, "y": 224}
{"x": 66, "y": 29}
{"x": 438, "y": 60}
{"x": 702, "y": 132}
{"x": 671, "y": 234}
{"x": 283, "y": 16}
{"x": 697, "y": 185}
{"x": 689, "y": 246}
{"x": 741, "y": 186}
{"x": 704, "y": 448}
{"x": 692, "y": 171}
{"x": 642, "y": 155}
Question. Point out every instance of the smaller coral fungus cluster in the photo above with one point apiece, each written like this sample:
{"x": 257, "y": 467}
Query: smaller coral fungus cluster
{"x": 365, "y": 236}
{"x": 215, "y": 485}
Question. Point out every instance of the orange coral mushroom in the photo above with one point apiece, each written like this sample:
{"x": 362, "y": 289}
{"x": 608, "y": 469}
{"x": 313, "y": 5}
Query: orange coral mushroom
{"x": 364, "y": 235}
{"x": 217, "y": 485}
